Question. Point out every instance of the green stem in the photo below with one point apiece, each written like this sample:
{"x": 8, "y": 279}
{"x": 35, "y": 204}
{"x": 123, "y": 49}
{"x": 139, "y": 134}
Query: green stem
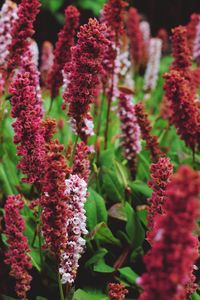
{"x": 50, "y": 107}
{"x": 62, "y": 297}
{"x": 100, "y": 113}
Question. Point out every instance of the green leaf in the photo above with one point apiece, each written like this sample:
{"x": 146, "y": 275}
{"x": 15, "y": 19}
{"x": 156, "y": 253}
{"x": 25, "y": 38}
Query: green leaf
{"x": 103, "y": 234}
{"x": 195, "y": 296}
{"x": 128, "y": 275}
{"x": 117, "y": 212}
{"x": 4, "y": 297}
{"x": 95, "y": 209}
{"x": 95, "y": 6}
{"x": 140, "y": 192}
{"x": 89, "y": 295}
{"x": 134, "y": 229}
{"x": 111, "y": 185}
{"x": 40, "y": 298}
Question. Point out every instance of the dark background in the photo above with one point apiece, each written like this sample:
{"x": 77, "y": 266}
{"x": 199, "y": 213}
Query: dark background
{"x": 160, "y": 13}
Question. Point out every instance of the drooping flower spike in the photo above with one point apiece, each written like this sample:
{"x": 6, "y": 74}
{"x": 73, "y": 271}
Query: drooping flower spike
{"x": 17, "y": 254}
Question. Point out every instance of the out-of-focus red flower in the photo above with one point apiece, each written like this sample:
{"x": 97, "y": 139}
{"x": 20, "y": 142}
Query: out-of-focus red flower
{"x": 117, "y": 291}
{"x": 46, "y": 61}
{"x": 163, "y": 35}
{"x": 62, "y": 52}
{"x": 84, "y": 70}
{"x": 16, "y": 256}
{"x": 170, "y": 262}
{"x": 145, "y": 127}
{"x": 137, "y": 46}
{"x": 192, "y": 30}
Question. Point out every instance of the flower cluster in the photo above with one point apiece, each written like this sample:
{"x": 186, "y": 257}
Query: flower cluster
{"x": 16, "y": 256}
{"x": 27, "y": 109}
{"x": 130, "y": 131}
{"x": 181, "y": 52}
{"x": 117, "y": 291}
{"x": 113, "y": 15}
{"x": 46, "y": 61}
{"x": 62, "y": 52}
{"x": 81, "y": 164}
{"x": 76, "y": 192}
{"x": 152, "y": 70}
{"x": 136, "y": 38}
{"x": 184, "y": 113}
{"x": 8, "y": 16}
{"x": 87, "y": 128}
{"x": 145, "y": 127}
{"x": 160, "y": 176}
{"x": 170, "y": 262}
{"x": 22, "y": 30}
{"x": 54, "y": 201}
{"x": 84, "y": 69}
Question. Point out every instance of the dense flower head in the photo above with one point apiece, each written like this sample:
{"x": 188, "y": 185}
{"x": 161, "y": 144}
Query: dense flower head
{"x": 62, "y": 52}
{"x": 47, "y": 57}
{"x": 163, "y": 35}
{"x": 75, "y": 226}
{"x": 8, "y": 16}
{"x": 130, "y": 131}
{"x": 180, "y": 50}
{"x": 81, "y": 163}
{"x": 84, "y": 70}
{"x": 145, "y": 127}
{"x": 182, "y": 102}
{"x": 53, "y": 200}
{"x": 170, "y": 262}
{"x": 16, "y": 256}
{"x": 113, "y": 14}
{"x": 117, "y": 291}
{"x": 153, "y": 66}
{"x": 27, "y": 109}
{"x": 136, "y": 38}
{"x": 160, "y": 176}
{"x": 22, "y": 30}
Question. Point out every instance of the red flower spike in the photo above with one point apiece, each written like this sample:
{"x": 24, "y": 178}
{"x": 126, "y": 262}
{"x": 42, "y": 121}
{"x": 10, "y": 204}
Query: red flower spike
{"x": 117, "y": 291}
{"x": 81, "y": 164}
{"x": 145, "y": 127}
{"x": 170, "y": 262}
{"x": 16, "y": 256}
{"x": 62, "y": 52}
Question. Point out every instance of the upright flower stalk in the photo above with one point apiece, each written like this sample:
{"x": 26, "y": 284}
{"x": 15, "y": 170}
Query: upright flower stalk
{"x": 185, "y": 112}
{"x": 62, "y": 52}
{"x": 152, "y": 70}
{"x": 47, "y": 58}
{"x": 136, "y": 39}
{"x": 113, "y": 15}
{"x": 160, "y": 173}
{"x": 84, "y": 69}
{"x": 76, "y": 191}
{"x": 145, "y": 127}
{"x": 22, "y": 31}
{"x": 171, "y": 260}
{"x": 17, "y": 254}
{"x": 130, "y": 131}
{"x": 81, "y": 163}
